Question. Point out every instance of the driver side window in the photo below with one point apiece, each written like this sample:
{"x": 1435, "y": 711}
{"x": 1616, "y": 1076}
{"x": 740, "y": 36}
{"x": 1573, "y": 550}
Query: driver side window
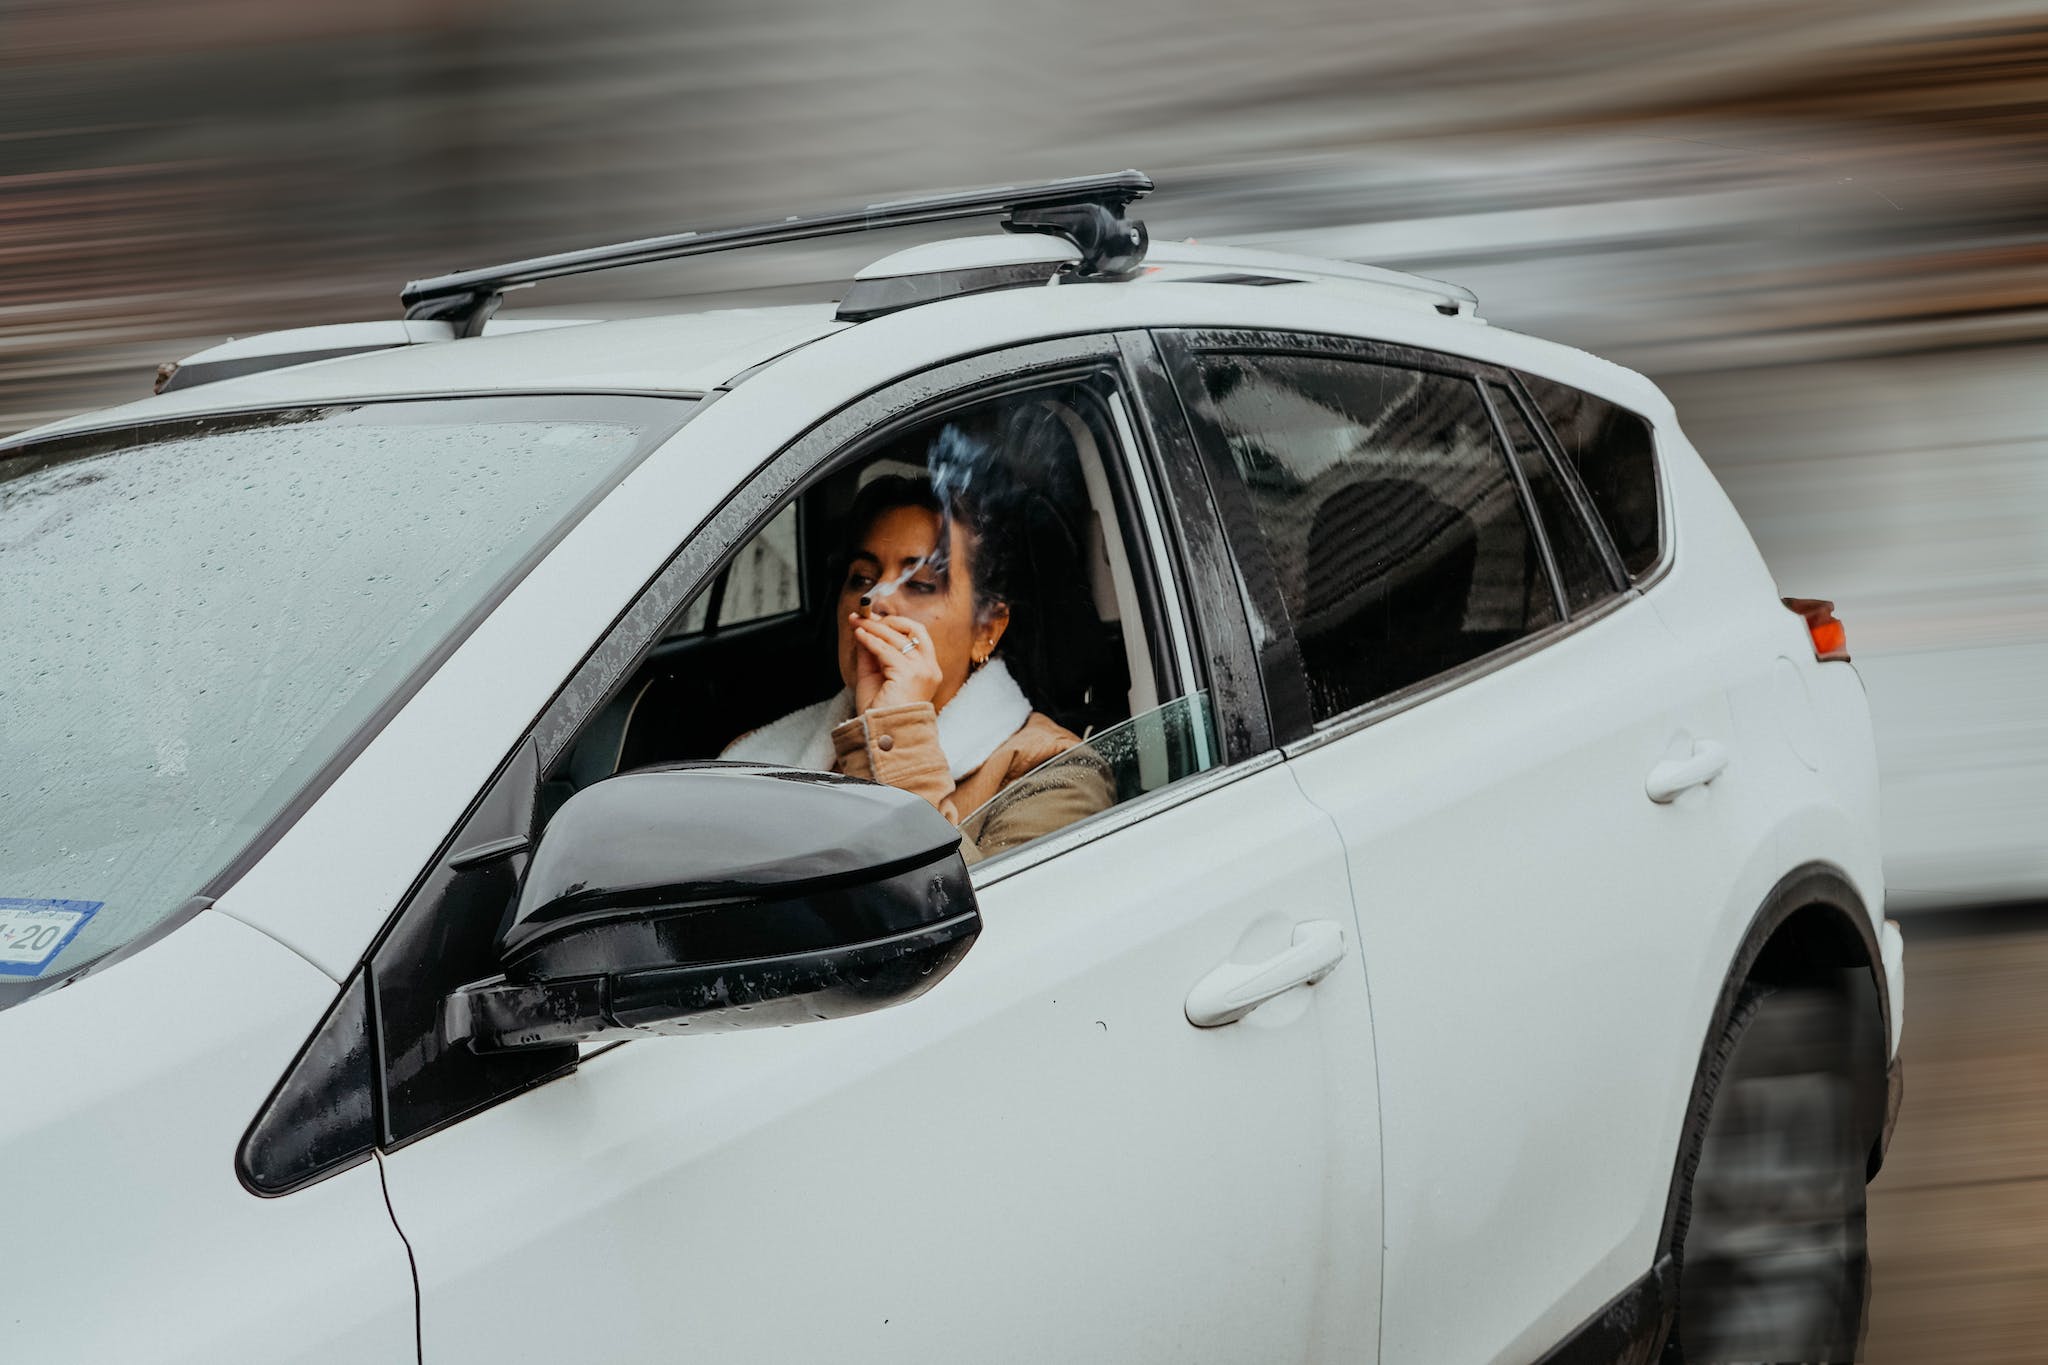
{"x": 1140, "y": 755}
{"x": 963, "y": 605}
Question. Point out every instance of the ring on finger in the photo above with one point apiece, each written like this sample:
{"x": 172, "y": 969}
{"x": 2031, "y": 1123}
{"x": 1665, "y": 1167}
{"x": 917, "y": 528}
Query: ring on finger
{"x": 910, "y": 646}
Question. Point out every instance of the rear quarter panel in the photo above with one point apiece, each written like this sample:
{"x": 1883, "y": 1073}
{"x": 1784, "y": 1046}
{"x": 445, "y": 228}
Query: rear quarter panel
{"x": 1801, "y": 787}
{"x": 1803, "y": 783}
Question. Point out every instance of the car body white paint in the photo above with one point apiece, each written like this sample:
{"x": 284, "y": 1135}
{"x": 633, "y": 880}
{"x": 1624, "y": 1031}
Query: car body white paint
{"x": 1507, "y": 1183}
{"x": 1493, "y": 953}
{"x": 1204, "y": 1194}
{"x": 690, "y": 354}
{"x": 1041, "y": 1161}
{"x": 129, "y": 1236}
{"x": 332, "y": 339}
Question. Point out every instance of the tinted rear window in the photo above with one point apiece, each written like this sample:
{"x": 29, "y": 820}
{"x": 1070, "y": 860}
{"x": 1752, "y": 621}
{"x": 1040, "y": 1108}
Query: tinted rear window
{"x": 1389, "y": 514}
{"x": 1615, "y": 456}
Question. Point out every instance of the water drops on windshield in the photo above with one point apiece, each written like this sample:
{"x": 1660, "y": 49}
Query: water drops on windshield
{"x": 195, "y": 625}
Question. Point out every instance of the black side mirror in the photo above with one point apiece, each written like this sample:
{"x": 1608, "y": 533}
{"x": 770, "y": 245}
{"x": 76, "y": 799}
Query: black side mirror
{"x": 706, "y": 896}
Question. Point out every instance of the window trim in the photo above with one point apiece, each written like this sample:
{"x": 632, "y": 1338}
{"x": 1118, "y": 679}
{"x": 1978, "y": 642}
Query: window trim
{"x": 1347, "y": 723}
{"x": 1172, "y": 594}
{"x": 1241, "y": 570}
{"x": 1575, "y": 494}
{"x": 1558, "y": 601}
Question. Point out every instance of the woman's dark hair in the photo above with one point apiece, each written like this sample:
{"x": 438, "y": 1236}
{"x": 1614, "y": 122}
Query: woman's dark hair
{"x": 891, "y": 491}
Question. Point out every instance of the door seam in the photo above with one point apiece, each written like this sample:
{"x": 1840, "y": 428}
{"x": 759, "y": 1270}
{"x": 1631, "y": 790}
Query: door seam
{"x": 412, "y": 1264}
{"x": 1379, "y": 1109}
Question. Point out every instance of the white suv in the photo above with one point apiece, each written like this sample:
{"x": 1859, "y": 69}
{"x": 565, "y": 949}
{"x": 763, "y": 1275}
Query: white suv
{"x": 1480, "y": 958}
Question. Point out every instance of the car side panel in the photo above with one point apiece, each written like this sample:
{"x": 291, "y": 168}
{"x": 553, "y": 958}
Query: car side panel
{"x": 1721, "y": 599}
{"x": 1530, "y": 934}
{"x": 1040, "y": 1159}
{"x": 128, "y": 1236}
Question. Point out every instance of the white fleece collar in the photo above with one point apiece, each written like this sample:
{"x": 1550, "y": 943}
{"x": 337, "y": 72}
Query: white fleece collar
{"x": 801, "y": 739}
{"x": 988, "y": 709}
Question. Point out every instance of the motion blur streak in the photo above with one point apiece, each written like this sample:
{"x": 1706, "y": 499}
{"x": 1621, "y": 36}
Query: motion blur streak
{"x": 1819, "y": 224}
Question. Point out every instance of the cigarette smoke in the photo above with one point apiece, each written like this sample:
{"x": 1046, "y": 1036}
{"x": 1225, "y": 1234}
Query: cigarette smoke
{"x": 951, "y": 463}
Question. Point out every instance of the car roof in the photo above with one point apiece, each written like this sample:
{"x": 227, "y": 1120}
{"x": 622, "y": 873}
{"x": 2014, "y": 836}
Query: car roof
{"x": 692, "y": 354}
{"x": 683, "y": 355}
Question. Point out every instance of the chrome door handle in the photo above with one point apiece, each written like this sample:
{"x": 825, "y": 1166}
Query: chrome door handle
{"x": 1232, "y": 991}
{"x": 1673, "y": 776}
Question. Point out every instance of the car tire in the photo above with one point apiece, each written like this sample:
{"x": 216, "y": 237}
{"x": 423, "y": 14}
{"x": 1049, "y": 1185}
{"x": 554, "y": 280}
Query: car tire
{"x": 1770, "y": 1240}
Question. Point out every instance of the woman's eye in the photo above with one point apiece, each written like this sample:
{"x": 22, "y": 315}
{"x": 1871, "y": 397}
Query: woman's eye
{"x": 921, "y": 588}
{"x": 859, "y": 582}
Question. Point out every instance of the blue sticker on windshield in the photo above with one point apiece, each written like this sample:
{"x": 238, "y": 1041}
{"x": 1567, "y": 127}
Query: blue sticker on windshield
{"x": 32, "y": 933}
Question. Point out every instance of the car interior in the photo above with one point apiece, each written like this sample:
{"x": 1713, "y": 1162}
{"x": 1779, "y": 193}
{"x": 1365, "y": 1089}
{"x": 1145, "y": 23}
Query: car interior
{"x": 757, "y": 640}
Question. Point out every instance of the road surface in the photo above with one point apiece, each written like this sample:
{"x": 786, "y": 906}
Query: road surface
{"x": 1959, "y": 1217}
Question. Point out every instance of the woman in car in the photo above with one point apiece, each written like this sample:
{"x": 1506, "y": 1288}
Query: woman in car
{"x": 929, "y": 704}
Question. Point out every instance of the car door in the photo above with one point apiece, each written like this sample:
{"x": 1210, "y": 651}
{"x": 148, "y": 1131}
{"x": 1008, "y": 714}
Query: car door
{"x": 1041, "y": 1158}
{"x": 1477, "y": 700}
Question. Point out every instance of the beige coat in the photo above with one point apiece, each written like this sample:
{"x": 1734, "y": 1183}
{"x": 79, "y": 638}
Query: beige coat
{"x": 899, "y": 745}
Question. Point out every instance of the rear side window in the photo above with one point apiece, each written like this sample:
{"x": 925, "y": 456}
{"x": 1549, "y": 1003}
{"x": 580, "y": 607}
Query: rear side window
{"x": 1393, "y": 524}
{"x": 1612, "y": 450}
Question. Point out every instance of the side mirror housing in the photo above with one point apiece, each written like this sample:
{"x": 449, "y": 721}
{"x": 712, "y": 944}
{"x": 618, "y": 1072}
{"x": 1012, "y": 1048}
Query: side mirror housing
{"x": 700, "y": 897}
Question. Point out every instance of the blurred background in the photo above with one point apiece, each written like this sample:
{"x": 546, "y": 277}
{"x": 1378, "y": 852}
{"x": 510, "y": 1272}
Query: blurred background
{"x": 1818, "y": 223}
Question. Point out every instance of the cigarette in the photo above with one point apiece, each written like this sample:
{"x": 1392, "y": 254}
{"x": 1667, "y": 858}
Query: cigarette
{"x": 867, "y": 606}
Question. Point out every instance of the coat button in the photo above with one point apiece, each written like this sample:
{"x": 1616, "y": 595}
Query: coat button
{"x": 886, "y": 743}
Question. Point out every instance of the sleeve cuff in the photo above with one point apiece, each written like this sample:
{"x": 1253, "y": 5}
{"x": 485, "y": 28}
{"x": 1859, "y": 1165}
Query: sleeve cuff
{"x": 898, "y": 745}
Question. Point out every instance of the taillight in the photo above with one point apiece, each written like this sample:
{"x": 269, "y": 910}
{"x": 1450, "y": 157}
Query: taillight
{"x": 1830, "y": 637}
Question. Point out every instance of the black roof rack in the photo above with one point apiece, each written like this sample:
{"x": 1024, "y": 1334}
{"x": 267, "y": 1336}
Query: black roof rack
{"x": 1088, "y": 211}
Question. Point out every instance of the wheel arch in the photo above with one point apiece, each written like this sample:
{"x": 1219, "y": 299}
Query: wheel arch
{"x": 1813, "y": 921}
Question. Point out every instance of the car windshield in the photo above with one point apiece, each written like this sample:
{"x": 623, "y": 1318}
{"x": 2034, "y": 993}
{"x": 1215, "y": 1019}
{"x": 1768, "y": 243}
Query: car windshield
{"x": 200, "y": 616}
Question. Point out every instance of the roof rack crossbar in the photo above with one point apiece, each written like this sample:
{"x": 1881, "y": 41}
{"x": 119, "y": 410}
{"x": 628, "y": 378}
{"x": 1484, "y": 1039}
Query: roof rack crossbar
{"x": 1087, "y": 210}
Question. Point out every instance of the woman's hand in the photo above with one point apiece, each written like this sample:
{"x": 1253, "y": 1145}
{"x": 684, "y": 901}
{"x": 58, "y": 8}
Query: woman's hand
{"x": 893, "y": 663}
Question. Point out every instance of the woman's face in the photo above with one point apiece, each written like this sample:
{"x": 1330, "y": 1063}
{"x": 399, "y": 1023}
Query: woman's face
{"x": 890, "y": 562}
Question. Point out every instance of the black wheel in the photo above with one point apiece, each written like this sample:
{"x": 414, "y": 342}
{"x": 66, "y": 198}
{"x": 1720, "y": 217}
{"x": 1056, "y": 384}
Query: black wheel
{"x": 1773, "y": 1262}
